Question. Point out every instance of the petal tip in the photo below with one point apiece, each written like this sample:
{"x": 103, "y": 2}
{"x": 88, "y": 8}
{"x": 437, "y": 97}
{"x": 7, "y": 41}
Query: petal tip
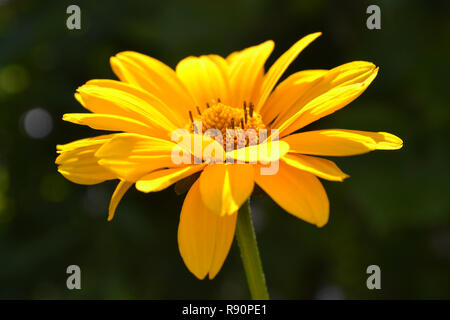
{"x": 322, "y": 221}
{"x": 314, "y": 35}
{"x": 199, "y": 276}
{"x": 321, "y": 224}
{"x": 114, "y": 62}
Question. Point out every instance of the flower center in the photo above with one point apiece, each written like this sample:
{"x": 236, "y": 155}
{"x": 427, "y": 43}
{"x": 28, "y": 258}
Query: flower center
{"x": 239, "y": 127}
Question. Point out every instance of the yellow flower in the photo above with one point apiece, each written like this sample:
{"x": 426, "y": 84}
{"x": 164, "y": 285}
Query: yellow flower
{"x": 151, "y": 101}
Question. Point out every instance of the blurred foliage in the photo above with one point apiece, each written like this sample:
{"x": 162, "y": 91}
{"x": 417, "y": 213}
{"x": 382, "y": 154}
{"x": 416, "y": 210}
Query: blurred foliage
{"x": 394, "y": 211}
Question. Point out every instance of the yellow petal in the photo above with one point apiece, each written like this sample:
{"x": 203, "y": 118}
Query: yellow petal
{"x": 158, "y": 103}
{"x": 118, "y": 194}
{"x": 225, "y": 229}
{"x": 246, "y": 71}
{"x": 109, "y": 122}
{"x": 334, "y": 91}
{"x": 206, "y": 78}
{"x": 155, "y": 77}
{"x": 131, "y": 156}
{"x": 288, "y": 92}
{"x": 77, "y": 161}
{"x": 340, "y": 142}
{"x": 344, "y": 75}
{"x": 60, "y": 148}
{"x": 322, "y": 168}
{"x": 204, "y": 238}
{"x": 263, "y": 152}
{"x": 232, "y": 57}
{"x": 277, "y": 69}
{"x": 103, "y": 100}
{"x": 225, "y": 187}
{"x": 161, "y": 179}
{"x": 298, "y": 192}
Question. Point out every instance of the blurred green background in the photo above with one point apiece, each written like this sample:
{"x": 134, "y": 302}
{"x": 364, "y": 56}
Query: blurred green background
{"x": 394, "y": 211}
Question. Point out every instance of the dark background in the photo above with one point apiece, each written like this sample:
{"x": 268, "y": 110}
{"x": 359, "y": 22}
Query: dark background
{"x": 394, "y": 211}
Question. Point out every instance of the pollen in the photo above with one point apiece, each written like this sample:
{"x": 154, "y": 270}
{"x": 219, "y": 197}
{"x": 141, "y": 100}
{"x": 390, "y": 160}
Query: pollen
{"x": 243, "y": 124}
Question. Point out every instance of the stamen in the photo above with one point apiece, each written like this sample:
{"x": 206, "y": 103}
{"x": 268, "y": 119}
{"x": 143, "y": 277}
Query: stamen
{"x": 222, "y": 117}
{"x": 207, "y": 105}
{"x": 245, "y": 112}
{"x": 218, "y": 100}
{"x": 198, "y": 110}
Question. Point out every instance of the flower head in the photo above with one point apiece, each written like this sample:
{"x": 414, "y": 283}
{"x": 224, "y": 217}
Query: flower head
{"x": 221, "y": 98}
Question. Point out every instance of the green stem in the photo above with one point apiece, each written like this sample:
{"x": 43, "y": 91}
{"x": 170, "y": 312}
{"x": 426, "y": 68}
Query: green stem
{"x": 246, "y": 239}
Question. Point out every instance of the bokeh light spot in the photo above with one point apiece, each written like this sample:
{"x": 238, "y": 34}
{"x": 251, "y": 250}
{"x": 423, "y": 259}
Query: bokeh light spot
{"x": 37, "y": 123}
{"x": 13, "y": 79}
